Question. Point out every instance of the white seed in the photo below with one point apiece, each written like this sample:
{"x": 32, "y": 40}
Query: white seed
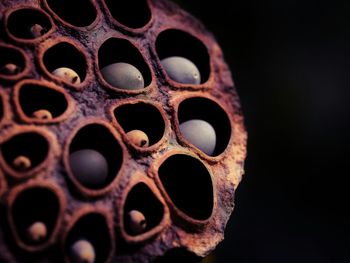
{"x": 37, "y": 231}
{"x": 137, "y": 222}
{"x": 37, "y": 30}
{"x": 67, "y": 74}
{"x": 82, "y": 251}
{"x": 181, "y": 70}
{"x": 42, "y": 115}
{"x": 123, "y": 75}
{"x": 138, "y": 138}
{"x": 22, "y": 163}
{"x": 89, "y": 167}
{"x": 199, "y": 133}
{"x": 10, "y": 69}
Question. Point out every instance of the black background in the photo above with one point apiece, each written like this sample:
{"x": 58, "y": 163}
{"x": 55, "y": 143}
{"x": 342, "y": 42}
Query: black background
{"x": 290, "y": 60}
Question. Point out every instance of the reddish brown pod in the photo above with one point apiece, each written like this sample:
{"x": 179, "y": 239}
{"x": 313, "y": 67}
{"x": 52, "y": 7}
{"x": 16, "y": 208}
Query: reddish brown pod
{"x": 121, "y": 133}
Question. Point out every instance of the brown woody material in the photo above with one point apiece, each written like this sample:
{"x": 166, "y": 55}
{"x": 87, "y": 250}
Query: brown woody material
{"x": 79, "y": 37}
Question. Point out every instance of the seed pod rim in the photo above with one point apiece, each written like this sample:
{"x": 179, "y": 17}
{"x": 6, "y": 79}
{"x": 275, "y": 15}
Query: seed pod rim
{"x": 86, "y": 191}
{"x": 37, "y": 183}
{"x": 133, "y": 101}
{"x": 151, "y": 88}
{"x": 5, "y": 109}
{"x": 135, "y": 179}
{"x": 52, "y": 151}
{"x": 79, "y": 213}
{"x": 25, "y": 71}
{"x": 33, "y": 41}
{"x": 85, "y": 82}
{"x": 180, "y": 218}
{"x": 86, "y": 29}
{"x": 71, "y": 106}
{"x": 123, "y": 28}
{"x": 3, "y": 184}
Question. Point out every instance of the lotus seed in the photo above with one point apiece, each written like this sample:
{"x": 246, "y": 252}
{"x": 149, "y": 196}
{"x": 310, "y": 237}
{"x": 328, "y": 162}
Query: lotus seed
{"x": 37, "y": 30}
{"x": 42, "y": 115}
{"x": 22, "y": 163}
{"x": 90, "y": 167}
{"x": 10, "y": 69}
{"x": 201, "y": 134}
{"x": 123, "y": 75}
{"x": 137, "y": 222}
{"x": 181, "y": 70}
{"x": 67, "y": 74}
{"x": 82, "y": 251}
{"x": 138, "y": 138}
{"x": 37, "y": 231}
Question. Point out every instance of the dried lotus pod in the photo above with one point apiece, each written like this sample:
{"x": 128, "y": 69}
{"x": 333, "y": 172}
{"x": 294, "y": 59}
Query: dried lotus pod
{"x": 95, "y": 168}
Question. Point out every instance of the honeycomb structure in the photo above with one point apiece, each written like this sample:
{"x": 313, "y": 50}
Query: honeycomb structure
{"x": 185, "y": 195}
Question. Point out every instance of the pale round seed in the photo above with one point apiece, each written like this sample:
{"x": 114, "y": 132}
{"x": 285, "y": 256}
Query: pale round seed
{"x": 37, "y": 30}
{"x": 22, "y": 163}
{"x": 67, "y": 74}
{"x": 37, "y": 231}
{"x": 82, "y": 251}
{"x": 89, "y": 167}
{"x": 10, "y": 69}
{"x": 199, "y": 133}
{"x": 42, "y": 115}
{"x": 137, "y": 222}
{"x": 138, "y": 138}
{"x": 123, "y": 75}
{"x": 181, "y": 70}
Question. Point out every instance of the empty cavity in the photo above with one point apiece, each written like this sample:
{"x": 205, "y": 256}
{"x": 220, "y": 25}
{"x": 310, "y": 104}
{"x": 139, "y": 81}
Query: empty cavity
{"x": 66, "y": 55}
{"x": 12, "y": 61}
{"x": 35, "y": 212}
{"x": 141, "y": 116}
{"x": 177, "y": 43}
{"x": 116, "y": 50}
{"x": 188, "y": 184}
{"x": 35, "y": 100}
{"x": 1, "y": 108}
{"x": 176, "y": 255}
{"x": 95, "y": 156}
{"x": 80, "y": 13}
{"x": 207, "y": 110}
{"x": 142, "y": 210}
{"x": 28, "y": 23}
{"x": 93, "y": 230}
{"x": 132, "y": 13}
{"x": 25, "y": 151}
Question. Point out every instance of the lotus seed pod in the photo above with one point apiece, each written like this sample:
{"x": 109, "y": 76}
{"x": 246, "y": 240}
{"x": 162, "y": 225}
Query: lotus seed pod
{"x": 42, "y": 115}
{"x": 37, "y": 231}
{"x": 83, "y": 86}
{"x": 82, "y": 251}
{"x": 37, "y": 30}
{"x": 22, "y": 163}
{"x": 10, "y": 69}
{"x": 67, "y": 74}
{"x": 123, "y": 75}
{"x": 138, "y": 138}
{"x": 181, "y": 70}
{"x": 89, "y": 167}
{"x": 137, "y": 222}
{"x": 201, "y": 134}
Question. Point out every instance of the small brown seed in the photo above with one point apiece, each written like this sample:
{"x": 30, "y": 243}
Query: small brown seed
{"x": 137, "y": 222}
{"x": 37, "y": 231}
{"x": 10, "y": 69}
{"x": 22, "y": 163}
{"x": 37, "y": 30}
{"x": 42, "y": 115}
{"x": 67, "y": 74}
{"x": 138, "y": 138}
{"x": 82, "y": 251}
